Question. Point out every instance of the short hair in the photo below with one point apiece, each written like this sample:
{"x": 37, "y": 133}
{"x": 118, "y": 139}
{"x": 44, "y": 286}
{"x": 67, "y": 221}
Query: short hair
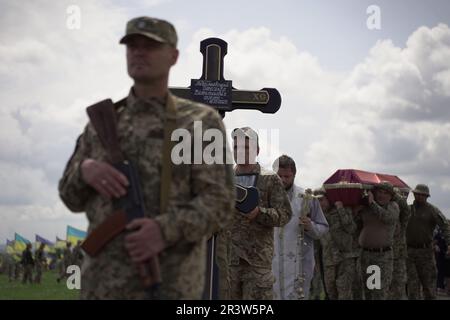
{"x": 284, "y": 162}
{"x": 247, "y": 132}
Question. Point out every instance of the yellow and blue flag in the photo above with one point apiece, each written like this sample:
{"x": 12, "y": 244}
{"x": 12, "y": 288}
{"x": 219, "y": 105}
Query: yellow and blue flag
{"x": 74, "y": 235}
{"x": 60, "y": 243}
{"x": 48, "y": 244}
{"x": 10, "y": 247}
{"x": 20, "y": 243}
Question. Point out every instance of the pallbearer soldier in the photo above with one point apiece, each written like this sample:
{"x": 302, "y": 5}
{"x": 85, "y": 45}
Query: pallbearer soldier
{"x": 377, "y": 222}
{"x": 421, "y": 263}
{"x": 337, "y": 248}
{"x": 397, "y": 290}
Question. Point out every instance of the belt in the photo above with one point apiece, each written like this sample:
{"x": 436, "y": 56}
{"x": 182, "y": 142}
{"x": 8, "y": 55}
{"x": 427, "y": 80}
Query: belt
{"x": 420, "y": 246}
{"x": 384, "y": 249}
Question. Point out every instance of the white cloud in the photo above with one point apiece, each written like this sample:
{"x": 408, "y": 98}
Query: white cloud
{"x": 392, "y": 114}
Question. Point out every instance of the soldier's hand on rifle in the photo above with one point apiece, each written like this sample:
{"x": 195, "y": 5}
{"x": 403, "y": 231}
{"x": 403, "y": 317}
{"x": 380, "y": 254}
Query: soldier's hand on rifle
{"x": 104, "y": 178}
{"x": 306, "y": 222}
{"x": 146, "y": 241}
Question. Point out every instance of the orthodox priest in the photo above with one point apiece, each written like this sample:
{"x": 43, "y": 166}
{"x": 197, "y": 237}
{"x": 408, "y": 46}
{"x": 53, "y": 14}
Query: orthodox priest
{"x": 293, "y": 262}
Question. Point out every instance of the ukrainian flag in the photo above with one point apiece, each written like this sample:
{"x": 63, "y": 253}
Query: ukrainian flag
{"x": 10, "y": 247}
{"x": 48, "y": 244}
{"x": 20, "y": 243}
{"x": 10, "y": 250}
{"x": 74, "y": 235}
{"x": 60, "y": 243}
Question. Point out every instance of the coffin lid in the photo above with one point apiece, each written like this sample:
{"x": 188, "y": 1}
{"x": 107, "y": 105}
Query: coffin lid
{"x": 362, "y": 179}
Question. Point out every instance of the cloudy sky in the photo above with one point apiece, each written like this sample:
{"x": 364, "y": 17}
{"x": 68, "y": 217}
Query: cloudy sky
{"x": 353, "y": 97}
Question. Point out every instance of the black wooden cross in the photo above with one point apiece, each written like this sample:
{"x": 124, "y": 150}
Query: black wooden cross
{"x": 214, "y": 90}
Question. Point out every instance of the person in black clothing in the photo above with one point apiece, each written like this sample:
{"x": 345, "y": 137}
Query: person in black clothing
{"x": 39, "y": 260}
{"x": 28, "y": 264}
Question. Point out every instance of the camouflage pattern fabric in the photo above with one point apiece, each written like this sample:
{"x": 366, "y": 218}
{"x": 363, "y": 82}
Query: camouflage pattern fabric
{"x": 201, "y": 201}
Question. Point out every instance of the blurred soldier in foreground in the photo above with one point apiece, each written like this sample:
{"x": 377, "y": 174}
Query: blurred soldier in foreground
{"x": 182, "y": 203}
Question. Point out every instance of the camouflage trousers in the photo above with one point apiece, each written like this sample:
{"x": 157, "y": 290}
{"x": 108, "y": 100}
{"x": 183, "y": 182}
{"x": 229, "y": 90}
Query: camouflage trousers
{"x": 250, "y": 283}
{"x": 384, "y": 260}
{"x": 357, "y": 286}
{"x": 10, "y": 270}
{"x": 339, "y": 279}
{"x": 398, "y": 284}
{"x": 316, "y": 291}
{"x": 38, "y": 277}
{"x": 17, "y": 271}
{"x": 27, "y": 273}
{"x": 222, "y": 260}
{"x": 421, "y": 269}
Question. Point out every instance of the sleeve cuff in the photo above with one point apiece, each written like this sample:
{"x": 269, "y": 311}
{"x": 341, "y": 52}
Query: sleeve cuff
{"x": 78, "y": 177}
{"x": 169, "y": 229}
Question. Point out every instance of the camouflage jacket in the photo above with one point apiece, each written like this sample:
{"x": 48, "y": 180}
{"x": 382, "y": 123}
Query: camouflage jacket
{"x": 400, "y": 248}
{"x": 423, "y": 221}
{"x": 337, "y": 244}
{"x": 253, "y": 240}
{"x": 200, "y": 202}
{"x": 377, "y": 224}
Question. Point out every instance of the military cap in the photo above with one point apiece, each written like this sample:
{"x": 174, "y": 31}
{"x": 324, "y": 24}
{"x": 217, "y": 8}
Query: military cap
{"x": 422, "y": 189}
{"x": 386, "y": 186}
{"x": 155, "y": 29}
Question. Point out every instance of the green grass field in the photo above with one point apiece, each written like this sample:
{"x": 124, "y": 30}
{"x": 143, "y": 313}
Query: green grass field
{"x": 49, "y": 289}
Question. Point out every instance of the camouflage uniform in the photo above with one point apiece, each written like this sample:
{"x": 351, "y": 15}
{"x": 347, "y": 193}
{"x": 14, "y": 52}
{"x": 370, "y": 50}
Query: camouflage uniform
{"x": 8, "y": 264}
{"x": 398, "y": 284}
{"x": 66, "y": 261}
{"x": 357, "y": 285}
{"x": 28, "y": 263}
{"x": 77, "y": 255}
{"x": 377, "y": 221}
{"x": 317, "y": 290}
{"x": 200, "y": 202}
{"x": 17, "y": 269}
{"x": 38, "y": 259}
{"x": 252, "y": 245}
{"x": 223, "y": 252}
{"x": 421, "y": 266}
{"x": 338, "y": 255}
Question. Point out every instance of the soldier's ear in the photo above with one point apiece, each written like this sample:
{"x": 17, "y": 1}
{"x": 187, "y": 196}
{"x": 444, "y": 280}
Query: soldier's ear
{"x": 175, "y": 54}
